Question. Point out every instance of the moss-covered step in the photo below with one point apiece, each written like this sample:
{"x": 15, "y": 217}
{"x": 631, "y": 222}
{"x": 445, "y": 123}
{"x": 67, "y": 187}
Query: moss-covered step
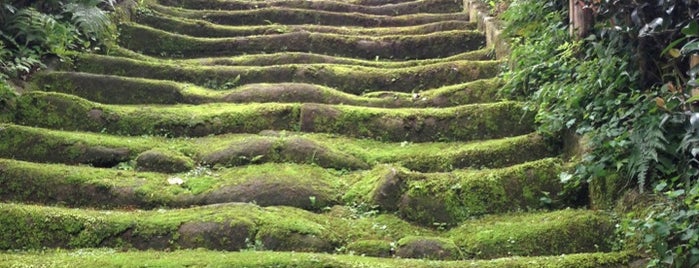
{"x": 203, "y": 28}
{"x": 156, "y": 42}
{"x": 109, "y": 89}
{"x": 172, "y": 155}
{"x": 283, "y": 58}
{"x": 346, "y": 78}
{"x": 168, "y": 155}
{"x": 253, "y": 258}
{"x": 60, "y": 111}
{"x": 232, "y": 226}
{"x": 412, "y": 7}
{"x": 293, "y": 16}
{"x": 462, "y": 123}
{"x": 303, "y": 186}
{"x": 535, "y": 234}
{"x": 235, "y": 226}
{"x": 446, "y": 199}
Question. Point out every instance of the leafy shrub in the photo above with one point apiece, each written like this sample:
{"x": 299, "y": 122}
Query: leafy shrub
{"x": 628, "y": 88}
{"x": 31, "y": 31}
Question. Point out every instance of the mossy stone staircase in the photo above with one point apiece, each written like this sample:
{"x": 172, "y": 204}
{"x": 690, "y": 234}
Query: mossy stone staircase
{"x": 241, "y": 133}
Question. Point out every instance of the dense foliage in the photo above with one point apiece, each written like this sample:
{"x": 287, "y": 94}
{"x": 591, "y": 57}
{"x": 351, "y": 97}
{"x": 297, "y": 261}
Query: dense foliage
{"x": 629, "y": 89}
{"x": 30, "y": 31}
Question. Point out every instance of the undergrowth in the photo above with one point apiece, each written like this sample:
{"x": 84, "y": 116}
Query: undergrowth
{"x": 627, "y": 88}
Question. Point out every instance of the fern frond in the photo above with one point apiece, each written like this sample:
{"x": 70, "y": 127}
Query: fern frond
{"x": 90, "y": 19}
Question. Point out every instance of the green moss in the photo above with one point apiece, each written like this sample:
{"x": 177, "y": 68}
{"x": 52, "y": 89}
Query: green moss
{"x": 201, "y": 258}
{"x": 605, "y": 191}
{"x": 8, "y": 99}
{"x": 371, "y": 248}
{"x": 264, "y": 16}
{"x": 552, "y": 233}
{"x": 449, "y": 198}
{"x": 350, "y": 79}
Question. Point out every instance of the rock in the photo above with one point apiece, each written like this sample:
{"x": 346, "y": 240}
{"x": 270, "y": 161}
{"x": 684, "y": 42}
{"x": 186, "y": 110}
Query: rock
{"x": 158, "y": 160}
{"x": 433, "y": 248}
{"x": 371, "y": 248}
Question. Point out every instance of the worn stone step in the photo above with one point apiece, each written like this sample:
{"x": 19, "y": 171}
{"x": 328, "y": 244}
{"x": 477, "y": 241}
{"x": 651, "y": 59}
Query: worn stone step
{"x": 303, "y": 186}
{"x": 447, "y": 199}
{"x": 108, "y": 89}
{"x": 286, "y": 58}
{"x": 412, "y": 7}
{"x": 156, "y": 42}
{"x": 308, "y": 187}
{"x": 346, "y": 78}
{"x": 235, "y": 226}
{"x": 255, "y": 258}
{"x": 461, "y": 123}
{"x": 290, "y": 16}
{"x": 185, "y": 154}
{"x": 203, "y": 28}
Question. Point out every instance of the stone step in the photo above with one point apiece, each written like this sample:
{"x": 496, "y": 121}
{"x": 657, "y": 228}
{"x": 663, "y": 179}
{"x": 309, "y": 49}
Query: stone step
{"x": 255, "y": 258}
{"x": 108, "y": 89}
{"x": 184, "y": 154}
{"x": 156, "y": 42}
{"x": 346, "y": 78}
{"x": 289, "y": 16}
{"x": 447, "y": 199}
{"x": 412, "y": 7}
{"x": 305, "y": 186}
{"x": 290, "y": 58}
{"x": 235, "y": 226}
{"x": 461, "y": 123}
{"x": 203, "y": 28}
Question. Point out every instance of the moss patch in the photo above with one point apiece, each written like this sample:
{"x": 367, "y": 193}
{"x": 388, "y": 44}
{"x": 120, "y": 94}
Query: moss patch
{"x": 560, "y": 232}
{"x": 449, "y": 198}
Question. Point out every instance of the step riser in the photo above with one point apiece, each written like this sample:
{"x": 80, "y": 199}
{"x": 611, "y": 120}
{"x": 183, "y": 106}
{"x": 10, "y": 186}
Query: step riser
{"x": 158, "y": 43}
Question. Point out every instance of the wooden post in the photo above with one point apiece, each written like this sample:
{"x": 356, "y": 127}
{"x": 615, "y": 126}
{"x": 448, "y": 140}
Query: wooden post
{"x": 581, "y": 18}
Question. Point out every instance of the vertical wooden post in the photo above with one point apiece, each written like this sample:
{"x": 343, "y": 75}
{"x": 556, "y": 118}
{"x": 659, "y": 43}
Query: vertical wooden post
{"x": 581, "y": 18}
